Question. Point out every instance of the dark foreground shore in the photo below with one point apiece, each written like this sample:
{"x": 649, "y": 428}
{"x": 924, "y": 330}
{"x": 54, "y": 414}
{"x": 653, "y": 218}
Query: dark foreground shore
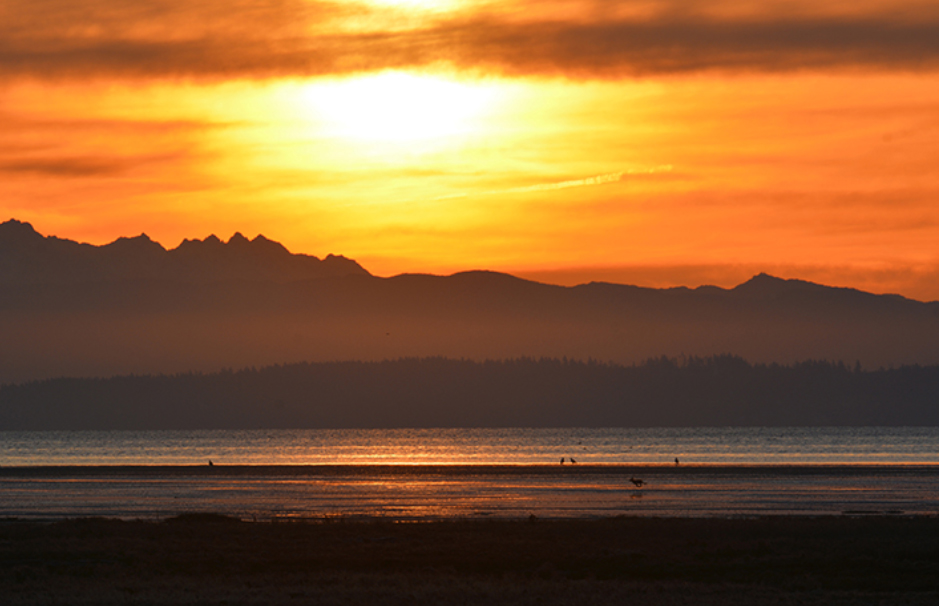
{"x": 209, "y": 559}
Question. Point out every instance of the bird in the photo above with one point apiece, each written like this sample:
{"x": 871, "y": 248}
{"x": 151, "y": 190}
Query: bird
{"x": 573, "y": 461}
{"x": 562, "y": 460}
{"x": 676, "y": 460}
{"x": 637, "y": 482}
{"x": 211, "y": 463}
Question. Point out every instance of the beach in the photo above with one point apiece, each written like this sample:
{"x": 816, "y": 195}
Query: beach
{"x": 214, "y": 559}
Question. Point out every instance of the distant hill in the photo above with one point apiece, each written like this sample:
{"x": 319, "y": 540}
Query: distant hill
{"x": 69, "y": 309}
{"x": 437, "y": 392}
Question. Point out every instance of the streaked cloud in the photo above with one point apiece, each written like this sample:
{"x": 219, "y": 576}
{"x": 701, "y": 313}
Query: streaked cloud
{"x": 552, "y": 186}
{"x": 281, "y": 38}
{"x": 65, "y": 167}
{"x": 595, "y": 180}
{"x": 37, "y": 145}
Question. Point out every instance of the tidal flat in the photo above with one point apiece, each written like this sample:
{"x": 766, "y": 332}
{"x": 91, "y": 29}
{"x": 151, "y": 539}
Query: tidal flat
{"x": 208, "y": 558}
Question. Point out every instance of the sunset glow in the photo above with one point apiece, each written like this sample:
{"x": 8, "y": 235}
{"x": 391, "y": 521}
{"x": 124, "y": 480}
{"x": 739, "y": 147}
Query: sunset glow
{"x": 395, "y": 106}
{"x": 645, "y": 142}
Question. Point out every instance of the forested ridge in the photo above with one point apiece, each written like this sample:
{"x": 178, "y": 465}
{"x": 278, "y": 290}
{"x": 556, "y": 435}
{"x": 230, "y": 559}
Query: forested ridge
{"x": 524, "y": 392}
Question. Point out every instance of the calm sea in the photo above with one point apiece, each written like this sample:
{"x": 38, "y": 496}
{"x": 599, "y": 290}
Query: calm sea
{"x": 429, "y": 473}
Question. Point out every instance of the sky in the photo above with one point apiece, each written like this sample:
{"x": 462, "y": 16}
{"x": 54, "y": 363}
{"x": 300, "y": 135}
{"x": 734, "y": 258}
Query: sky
{"x": 651, "y": 142}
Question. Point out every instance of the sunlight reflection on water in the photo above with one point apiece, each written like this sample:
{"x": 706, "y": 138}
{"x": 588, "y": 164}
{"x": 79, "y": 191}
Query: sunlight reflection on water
{"x": 710, "y": 446}
{"x": 476, "y": 473}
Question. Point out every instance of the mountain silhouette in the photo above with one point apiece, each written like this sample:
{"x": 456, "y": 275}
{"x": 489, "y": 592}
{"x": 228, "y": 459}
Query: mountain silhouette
{"x": 69, "y": 309}
{"x": 27, "y": 257}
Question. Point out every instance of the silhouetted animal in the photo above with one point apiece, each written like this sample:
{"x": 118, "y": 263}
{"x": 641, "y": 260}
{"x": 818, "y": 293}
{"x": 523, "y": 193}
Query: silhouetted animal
{"x": 562, "y": 460}
{"x": 637, "y": 482}
{"x": 572, "y": 460}
{"x": 676, "y": 460}
{"x": 211, "y": 463}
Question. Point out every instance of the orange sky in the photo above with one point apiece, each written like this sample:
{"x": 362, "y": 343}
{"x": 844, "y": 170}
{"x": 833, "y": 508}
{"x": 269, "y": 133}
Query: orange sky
{"x": 649, "y": 142}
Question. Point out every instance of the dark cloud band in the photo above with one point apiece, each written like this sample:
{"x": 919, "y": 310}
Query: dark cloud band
{"x": 155, "y": 43}
{"x": 65, "y": 167}
{"x": 636, "y": 49}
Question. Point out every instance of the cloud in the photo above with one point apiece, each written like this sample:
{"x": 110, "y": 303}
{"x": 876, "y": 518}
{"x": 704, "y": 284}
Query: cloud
{"x": 669, "y": 46}
{"x": 585, "y": 182}
{"x": 75, "y": 166}
{"x": 284, "y": 38}
{"x": 17, "y": 123}
{"x": 39, "y": 145}
{"x": 596, "y": 180}
{"x": 65, "y": 167}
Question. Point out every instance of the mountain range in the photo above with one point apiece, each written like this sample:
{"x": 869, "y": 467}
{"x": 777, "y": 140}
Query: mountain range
{"x": 71, "y": 309}
{"x": 27, "y": 257}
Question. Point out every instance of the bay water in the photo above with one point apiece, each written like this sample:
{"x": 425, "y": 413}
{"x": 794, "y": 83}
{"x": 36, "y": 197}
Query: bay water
{"x": 415, "y": 474}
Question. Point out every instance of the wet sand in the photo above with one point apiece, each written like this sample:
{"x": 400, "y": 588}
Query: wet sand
{"x": 426, "y": 492}
{"x": 455, "y": 470}
{"x": 213, "y": 559}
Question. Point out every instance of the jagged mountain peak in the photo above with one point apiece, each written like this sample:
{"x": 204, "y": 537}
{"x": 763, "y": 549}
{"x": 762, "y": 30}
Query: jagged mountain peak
{"x": 141, "y": 242}
{"x": 764, "y": 284}
{"x": 260, "y": 243}
{"x": 238, "y": 240}
{"x": 763, "y": 278}
{"x": 14, "y": 225}
{"x": 29, "y": 257}
{"x": 17, "y": 233}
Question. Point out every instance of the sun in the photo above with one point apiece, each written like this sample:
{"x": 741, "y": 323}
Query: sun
{"x": 397, "y": 106}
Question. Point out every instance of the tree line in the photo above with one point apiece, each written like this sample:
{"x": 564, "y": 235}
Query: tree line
{"x": 722, "y": 390}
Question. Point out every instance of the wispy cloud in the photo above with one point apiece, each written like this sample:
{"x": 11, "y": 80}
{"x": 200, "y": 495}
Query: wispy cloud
{"x": 271, "y": 38}
{"x": 585, "y": 182}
